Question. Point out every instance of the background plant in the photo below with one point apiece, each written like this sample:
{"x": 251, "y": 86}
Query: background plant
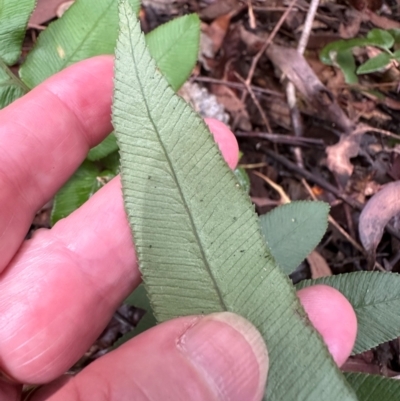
{"x": 340, "y": 53}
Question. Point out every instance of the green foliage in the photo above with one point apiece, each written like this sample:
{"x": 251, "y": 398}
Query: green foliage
{"x": 374, "y": 388}
{"x": 243, "y": 178}
{"x": 14, "y": 16}
{"x": 340, "y": 54}
{"x": 109, "y": 145}
{"x": 175, "y": 45}
{"x": 83, "y": 184}
{"x": 293, "y": 230}
{"x": 375, "y": 64}
{"x": 11, "y": 88}
{"x": 88, "y": 28}
{"x": 197, "y": 237}
{"x": 375, "y": 298}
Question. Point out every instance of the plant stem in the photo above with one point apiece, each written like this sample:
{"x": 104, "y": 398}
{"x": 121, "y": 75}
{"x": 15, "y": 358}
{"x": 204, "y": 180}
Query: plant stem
{"x": 13, "y": 77}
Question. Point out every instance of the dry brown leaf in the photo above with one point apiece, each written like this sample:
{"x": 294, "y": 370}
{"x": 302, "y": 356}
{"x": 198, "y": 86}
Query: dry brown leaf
{"x": 318, "y": 266}
{"x": 64, "y": 7}
{"x": 227, "y": 97}
{"x": 380, "y": 21}
{"x": 351, "y": 27}
{"x": 380, "y": 208}
{"x": 45, "y": 10}
{"x": 308, "y": 84}
{"x": 339, "y": 155}
{"x": 216, "y": 32}
{"x": 218, "y": 8}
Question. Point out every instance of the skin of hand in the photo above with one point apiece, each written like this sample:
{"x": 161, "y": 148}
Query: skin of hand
{"x": 59, "y": 289}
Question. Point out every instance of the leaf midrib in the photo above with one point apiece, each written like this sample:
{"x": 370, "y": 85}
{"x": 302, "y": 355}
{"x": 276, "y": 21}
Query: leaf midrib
{"x": 220, "y": 298}
{"x": 66, "y": 61}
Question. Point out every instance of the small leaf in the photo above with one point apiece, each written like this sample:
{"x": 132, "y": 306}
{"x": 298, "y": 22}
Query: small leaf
{"x": 380, "y": 38}
{"x": 376, "y": 214}
{"x": 345, "y": 61}
{"x": 293, "y": 230}
{"x": 374, "y": 64}
{"x": 396, "y": 55}
{"x": 373, "y": 387}
{"x": 109, "y": 145}
{"x": 82, "y": 185}
{"x": 196, "y": 235}
{"x": 88, "y": 28}
{"x": 175, "y": 46}
{"x": 375, "y": 298}
{"x": 329, "y": 53}
{"x": 243, "y": 178}
{"x": 395, "y": 34}
{"x": 14, "y": 16}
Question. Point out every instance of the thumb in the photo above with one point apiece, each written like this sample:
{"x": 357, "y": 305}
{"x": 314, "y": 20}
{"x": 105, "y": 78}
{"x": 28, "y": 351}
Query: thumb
{"x": 214, "y": 358}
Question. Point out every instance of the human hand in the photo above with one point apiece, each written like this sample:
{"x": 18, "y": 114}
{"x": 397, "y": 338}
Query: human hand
{"x": 59, "y": 289}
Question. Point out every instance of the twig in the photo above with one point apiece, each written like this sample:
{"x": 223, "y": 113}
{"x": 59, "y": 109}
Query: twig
{"x": 278, "y": 188}
{"x": 252, "y": 19}
{"x": 362, "y": 129}
{"x": 263, "y": 48}
{"x": 290, "y": 89}
{"x": 237, "y": 85}
{"x": 339, "y": 228}
{"x": 252, "y": 165}
{"x": 256, "y": 102}
{"x": 268, "y": 41}
{"x": 281, "y": 138}
{"x": 313, "y": 178}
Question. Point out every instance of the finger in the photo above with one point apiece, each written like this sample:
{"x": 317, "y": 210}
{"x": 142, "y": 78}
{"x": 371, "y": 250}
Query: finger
{"x": 226, "y": 141}
{"x": 334, "y": 318}
{"x": 218, "y": 357}
{"x": 44, "y": 137}
{"x": 65, "y": 284}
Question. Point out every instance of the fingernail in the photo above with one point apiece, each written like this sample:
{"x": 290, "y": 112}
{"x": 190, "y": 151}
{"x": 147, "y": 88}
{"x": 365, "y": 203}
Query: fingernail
{"x": 230, "y": 354}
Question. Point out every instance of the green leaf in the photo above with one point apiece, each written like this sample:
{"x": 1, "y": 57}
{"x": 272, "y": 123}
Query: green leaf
{"x": 374, "y": 64}
{"x": 88, "y": 28}
{"x": 375, "y": 298}
{"x": 14, "y": 16}
{"x": 175, "y": 46}
{"x": 82, "y": 185}
{"x": 380, "y": 38}
{"x": 197, "y": 237}
{"x": 329, "y": 53}
{"x": 103, "y": 149}
{"x": 345, "y": 61}
{"x": 396, "y": 55}
{"x": 293, "y": 230}
{"x": 395, "y": 34}
{"x": 373, "y": 387}
{"x": 11, "y": 88}
{"x": 243, "y": 178}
